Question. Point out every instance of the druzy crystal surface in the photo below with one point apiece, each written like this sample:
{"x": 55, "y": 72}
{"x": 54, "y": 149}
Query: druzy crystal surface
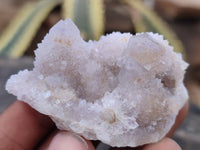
{"x": 124, "y": 90}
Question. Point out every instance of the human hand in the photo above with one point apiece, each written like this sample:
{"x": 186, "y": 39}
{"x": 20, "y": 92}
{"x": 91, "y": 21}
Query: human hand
{"x": 23, "y": 128}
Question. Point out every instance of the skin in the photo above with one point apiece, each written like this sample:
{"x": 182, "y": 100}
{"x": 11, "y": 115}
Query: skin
{"x": 23, "y": 128}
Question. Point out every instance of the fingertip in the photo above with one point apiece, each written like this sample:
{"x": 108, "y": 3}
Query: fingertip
{"x": 66, "y": 140}
{"x": 164, "y": 144}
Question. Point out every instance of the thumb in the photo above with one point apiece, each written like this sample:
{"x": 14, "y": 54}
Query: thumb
{"x": 67, "y": 141}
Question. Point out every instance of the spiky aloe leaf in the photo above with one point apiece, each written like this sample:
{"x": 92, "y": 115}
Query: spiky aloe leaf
{"x": 88, "y": 15}
{"x": 146, "y": 20}
{"x": 17, "y": 36}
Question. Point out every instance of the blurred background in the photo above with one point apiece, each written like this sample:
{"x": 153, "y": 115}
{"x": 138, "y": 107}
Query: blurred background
{"x": 24, "y": 23}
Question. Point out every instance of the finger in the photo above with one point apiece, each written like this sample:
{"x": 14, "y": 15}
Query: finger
{"x": 21, "y": 127}
{"x": 62, "y": 140}
{"x": 179, "y": 119}
{"x": 164, "y": 144}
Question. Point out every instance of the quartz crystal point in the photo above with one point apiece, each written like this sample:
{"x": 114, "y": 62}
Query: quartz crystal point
{"x": 124, "y": 90}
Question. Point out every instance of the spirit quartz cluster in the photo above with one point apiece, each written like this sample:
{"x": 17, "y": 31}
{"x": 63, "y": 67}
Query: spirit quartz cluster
{"x": 124, "y": 90}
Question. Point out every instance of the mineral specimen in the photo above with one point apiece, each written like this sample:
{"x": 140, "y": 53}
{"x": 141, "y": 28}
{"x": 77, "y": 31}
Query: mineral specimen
{"x": 124, "y": 90}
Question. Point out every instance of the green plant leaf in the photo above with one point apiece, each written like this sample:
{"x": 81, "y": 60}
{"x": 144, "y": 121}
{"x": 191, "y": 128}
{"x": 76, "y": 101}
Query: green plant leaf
{"x": 88, "y": 15}
{"x": 146, "y": 20}
{"x": 18, "y": 35}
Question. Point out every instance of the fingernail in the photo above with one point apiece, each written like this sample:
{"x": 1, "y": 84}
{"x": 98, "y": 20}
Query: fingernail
{"x": 78, "y": 137}
{"x": 68, "y": 141}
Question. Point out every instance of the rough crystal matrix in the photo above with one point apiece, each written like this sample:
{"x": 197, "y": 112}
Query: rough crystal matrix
{"x": 124, "y": 89}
